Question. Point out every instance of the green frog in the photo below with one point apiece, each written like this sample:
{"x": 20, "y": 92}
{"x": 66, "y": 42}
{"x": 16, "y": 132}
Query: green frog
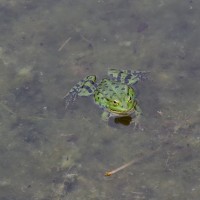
{"x": 114, "y": 94}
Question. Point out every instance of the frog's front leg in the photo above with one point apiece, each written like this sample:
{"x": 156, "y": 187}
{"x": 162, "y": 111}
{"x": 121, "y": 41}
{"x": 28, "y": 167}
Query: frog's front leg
{"x": 105, "y": 116}
{"x": 137, "y": 117}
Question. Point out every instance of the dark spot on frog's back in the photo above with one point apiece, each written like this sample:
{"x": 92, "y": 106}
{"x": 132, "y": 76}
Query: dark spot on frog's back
{"x": 127, "y": 78}
{"x": 119, "y": 77}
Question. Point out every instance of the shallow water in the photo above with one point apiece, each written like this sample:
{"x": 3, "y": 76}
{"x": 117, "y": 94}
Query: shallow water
{"x": 47, "y": 152}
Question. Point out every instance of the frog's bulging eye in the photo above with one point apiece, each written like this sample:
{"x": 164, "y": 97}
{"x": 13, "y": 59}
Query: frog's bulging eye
{"x": 130, "y": 99}
{"x": 115, "y": 103}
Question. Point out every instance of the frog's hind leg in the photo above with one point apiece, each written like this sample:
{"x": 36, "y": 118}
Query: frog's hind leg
{"x": 85, "y": 87}
{"x": 127, "y": 76}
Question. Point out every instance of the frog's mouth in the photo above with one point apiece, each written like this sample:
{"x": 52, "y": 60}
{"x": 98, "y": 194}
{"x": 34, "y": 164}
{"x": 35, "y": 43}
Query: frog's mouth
{"x": 122, "y": 113}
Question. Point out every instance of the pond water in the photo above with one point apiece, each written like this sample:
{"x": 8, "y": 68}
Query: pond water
{"x": 48, "y": 152}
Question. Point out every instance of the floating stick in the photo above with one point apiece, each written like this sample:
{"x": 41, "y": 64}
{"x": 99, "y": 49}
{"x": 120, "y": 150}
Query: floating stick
{"x": 120, "y": 168}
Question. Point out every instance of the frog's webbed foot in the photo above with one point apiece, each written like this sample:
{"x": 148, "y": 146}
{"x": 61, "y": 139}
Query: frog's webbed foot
{"x": 127, "y": 76}
{"x": 69, "y": 98}
{"x": 85, "y": 87}
{"x": 105, "y": 116}
{"x": 136, "y": 120}
{"x": 136, "y": 123}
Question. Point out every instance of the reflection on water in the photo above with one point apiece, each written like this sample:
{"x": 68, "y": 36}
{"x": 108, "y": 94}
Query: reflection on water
{"x": 48, "y": 152}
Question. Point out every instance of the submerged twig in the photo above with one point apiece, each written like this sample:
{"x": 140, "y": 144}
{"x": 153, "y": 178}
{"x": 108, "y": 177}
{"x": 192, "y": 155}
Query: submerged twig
{"x": 86, "y": 40}
{"x": 5, "y": 107}
{"x": 64, "y": 43}
{"x": 109, "y": 173}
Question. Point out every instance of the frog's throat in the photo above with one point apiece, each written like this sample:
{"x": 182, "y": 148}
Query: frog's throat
{"x": 123, "y": 113}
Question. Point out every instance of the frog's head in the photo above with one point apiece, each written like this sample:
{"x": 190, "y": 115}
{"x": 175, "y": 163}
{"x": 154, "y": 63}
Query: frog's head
{"x": 119, "y": 99}
{"x": 122, "y": 104}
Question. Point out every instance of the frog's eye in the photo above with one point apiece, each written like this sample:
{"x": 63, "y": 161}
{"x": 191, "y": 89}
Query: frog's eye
{"x": 115, "y": 102}
{"x": 129, "y": 99}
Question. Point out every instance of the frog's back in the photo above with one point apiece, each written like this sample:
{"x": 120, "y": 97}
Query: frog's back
{"x": 111, "y": 89}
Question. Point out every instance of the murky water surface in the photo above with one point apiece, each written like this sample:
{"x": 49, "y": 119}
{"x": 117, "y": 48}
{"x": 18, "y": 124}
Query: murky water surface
{"x": 47, "y": 152}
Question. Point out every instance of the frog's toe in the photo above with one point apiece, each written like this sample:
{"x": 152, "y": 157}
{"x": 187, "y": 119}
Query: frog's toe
{"x": 105, "y": 116}
{"x": 137, "y": 125}
{"x": 70, "y": 98}
{"x": 136, "y": 121}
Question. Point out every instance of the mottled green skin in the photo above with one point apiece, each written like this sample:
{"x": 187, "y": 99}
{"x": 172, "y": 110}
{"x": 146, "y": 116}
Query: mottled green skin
{"x": 117, "y": 99}
{"x": 114, "y": 94}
